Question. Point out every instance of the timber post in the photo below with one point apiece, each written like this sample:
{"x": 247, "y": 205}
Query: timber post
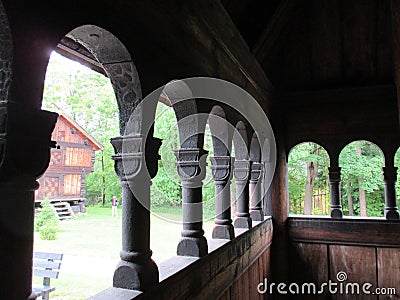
{"x": 191, "y": 170}
{"x": 241, "y": 173}
{"x": 136, "y": 270}
{"x": 222, "y": 175}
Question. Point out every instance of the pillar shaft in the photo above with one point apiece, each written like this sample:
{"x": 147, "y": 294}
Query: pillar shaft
{"x": 389, "y": 179}
{"x": 334, "y": 185}
{"x": 256, "y": 212}
{"x": 191, "y": 170}
{"x": 221, "y": 171}
{"x": 241, "y": 174}
{"x": 136, "y": 270}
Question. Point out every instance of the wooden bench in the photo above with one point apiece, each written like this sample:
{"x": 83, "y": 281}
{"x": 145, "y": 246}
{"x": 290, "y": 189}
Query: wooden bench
{"x": 46, "y": 265}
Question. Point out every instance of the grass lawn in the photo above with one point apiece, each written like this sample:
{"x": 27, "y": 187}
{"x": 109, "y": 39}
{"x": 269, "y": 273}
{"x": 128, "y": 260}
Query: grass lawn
{"x": 91, "y": 245}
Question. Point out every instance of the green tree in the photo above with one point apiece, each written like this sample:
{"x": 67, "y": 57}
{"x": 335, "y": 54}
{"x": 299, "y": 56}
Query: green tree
{"x": 307, "y": 172}
{"x": 362, "y": 185}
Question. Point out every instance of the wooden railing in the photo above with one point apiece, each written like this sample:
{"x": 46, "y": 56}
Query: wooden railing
{"x": 367, "y": 250}
{"x": 231, "y": 270}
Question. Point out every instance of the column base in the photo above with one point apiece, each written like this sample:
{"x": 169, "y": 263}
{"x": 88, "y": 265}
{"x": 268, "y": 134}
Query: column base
{"x": 242, "y": 222}
{"x": 189, "y": 246}
{"x": 336, "y": 213}
{"x": 392, "y": 214}
{"x": 136, "y": 276}
{"x": 223, "y": 232}
{"x": 257, "y": 215}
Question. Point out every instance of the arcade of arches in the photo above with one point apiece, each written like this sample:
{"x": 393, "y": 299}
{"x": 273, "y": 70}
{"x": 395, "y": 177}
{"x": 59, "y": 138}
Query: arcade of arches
{"x": 325, "y": 71}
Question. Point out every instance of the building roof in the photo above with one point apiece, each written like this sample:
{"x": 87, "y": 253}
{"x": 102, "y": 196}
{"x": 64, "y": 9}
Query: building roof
{"x": 96, "y": 145}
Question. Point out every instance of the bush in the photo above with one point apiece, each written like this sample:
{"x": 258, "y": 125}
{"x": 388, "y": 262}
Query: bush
{"x": 46, "y": 222}
{"x": 48, "y": 232}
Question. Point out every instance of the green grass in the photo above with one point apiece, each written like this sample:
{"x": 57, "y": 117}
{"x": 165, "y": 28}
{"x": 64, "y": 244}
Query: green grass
{"x": 91, "y": 245}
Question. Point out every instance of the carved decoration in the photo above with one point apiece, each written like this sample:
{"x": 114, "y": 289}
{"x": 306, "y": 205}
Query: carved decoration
{"x": 128, "y": 156}
{"x": 256, "y": 170}
{"x": 221, "y": 168}
{"x": 241, "y": 170}
{"x": 188, "y": 162}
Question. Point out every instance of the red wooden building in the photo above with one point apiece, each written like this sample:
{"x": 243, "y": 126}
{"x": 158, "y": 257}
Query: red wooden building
{"x": 73, "y": 158}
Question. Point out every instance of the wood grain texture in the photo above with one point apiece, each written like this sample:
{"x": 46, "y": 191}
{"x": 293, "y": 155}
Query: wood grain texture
{"x": 389, "y": 270}
{"x": 359, "y": 263}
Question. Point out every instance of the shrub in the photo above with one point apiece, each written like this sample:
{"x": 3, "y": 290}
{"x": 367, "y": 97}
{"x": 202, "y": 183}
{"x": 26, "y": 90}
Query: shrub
{"x": 46, "y": 222}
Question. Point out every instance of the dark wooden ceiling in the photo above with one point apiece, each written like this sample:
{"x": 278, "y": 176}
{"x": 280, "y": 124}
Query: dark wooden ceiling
{"x": 318, "y": 44}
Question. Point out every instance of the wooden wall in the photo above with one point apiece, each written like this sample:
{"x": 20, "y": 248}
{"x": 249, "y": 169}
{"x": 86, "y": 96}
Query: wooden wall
{"x": 357, "y": 247}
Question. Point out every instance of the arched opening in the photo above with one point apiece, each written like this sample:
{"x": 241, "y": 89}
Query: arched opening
{"x": 103, "y": 107}
{"x": 361, "y": 165}
{"x": 308, "y": 179}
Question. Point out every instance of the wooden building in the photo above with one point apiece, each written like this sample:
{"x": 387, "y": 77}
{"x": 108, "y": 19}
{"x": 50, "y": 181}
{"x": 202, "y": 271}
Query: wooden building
{"x": 70, "y": 162}
{"x": 324, "y": 71}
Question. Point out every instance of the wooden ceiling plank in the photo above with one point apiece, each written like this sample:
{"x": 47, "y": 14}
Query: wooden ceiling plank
{"x": 395, "y": 7}
{"x": 272, "y": 32}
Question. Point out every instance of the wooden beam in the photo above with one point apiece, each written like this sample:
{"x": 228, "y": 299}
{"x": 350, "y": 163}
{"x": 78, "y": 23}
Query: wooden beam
{"x": 396, "y": 47}
{"x": 346, "y": 231}
{"x": 273, "y": 31}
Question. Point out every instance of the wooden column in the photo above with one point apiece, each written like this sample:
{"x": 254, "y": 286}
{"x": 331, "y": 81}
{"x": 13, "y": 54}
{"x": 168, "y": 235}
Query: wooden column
{"x": 334, "y": 185}
{"x": 256, "y": 212}
{"x": 222, "y": 175}
{"x": 136, "y": 270}
{"x": 389, "y": 179}
{"x": 191, "y": 170}
{"x": 24, "y": 157}
{"x": 241, "y": 174}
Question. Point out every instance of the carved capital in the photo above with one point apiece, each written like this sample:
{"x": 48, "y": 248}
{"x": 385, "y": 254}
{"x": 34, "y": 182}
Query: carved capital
{"x": 334, "y": 174}
{"x": 256, "y": 171}
{"x": 128, "y": 156}
{"x": 191, "y": 163}
{"x": 221, "y": 168}
{"x": 25, "y": 140}
{"x": 389, "y": 174}
{"x": 241, "y": 170}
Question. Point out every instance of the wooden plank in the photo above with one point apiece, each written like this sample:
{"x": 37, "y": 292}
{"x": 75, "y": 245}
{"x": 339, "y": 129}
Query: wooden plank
{"x": 47, "y": 255}
{"x": 348, "y": 231}
{"x": 226, "y": 295}
{"x": 310, "y": 264}
{"x": 45, "y": 273}
{"x": 45, "y": 264}
{"x": 385, "y": 57}
{"x": 389, "y": 270}
{"x": 396, "y": 47}
{"x": 326, "y": 44}
{"x": 359, "y": 40}
{"x": 359, "y": 264}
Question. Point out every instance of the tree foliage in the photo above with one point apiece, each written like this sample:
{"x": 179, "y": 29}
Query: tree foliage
{"x": 89, "y": 98}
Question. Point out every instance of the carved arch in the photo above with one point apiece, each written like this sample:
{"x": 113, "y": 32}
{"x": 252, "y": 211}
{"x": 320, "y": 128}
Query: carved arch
{"x": 221, "y": 131}
{"x": 117, "y": 62}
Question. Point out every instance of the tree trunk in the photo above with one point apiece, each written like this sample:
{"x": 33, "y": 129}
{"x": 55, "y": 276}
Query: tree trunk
{"x": 350, "y": 199}
{"x": 312, "y": 170}
{"x": 363, "y": 200}
{"x": 103, "y": 178}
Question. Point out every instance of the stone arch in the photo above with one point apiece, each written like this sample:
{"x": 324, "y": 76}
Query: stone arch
{"x": 6, "y": 56}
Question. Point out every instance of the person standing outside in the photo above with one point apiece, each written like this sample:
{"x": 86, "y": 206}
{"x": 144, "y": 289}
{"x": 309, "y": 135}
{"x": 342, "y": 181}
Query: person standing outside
{"x": 114, "y": 205}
